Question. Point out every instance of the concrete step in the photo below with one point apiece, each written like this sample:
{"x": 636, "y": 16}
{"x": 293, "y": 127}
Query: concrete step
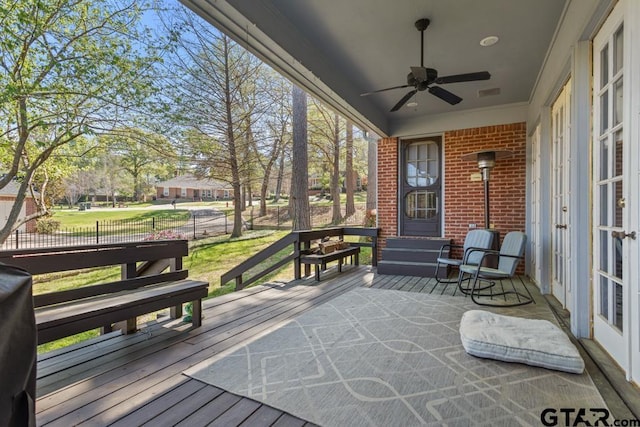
{"x": 407, "y": 268}
{"x": 412, "y": 243}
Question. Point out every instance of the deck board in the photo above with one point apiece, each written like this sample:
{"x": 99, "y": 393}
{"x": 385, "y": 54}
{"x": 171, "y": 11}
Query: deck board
{"x": 137, "y": 379}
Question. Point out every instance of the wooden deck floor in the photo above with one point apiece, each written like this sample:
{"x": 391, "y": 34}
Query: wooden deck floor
{"x": 137, "y": 379}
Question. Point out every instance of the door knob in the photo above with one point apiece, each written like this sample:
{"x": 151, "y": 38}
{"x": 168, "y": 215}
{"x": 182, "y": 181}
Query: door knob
{"x": 563, "y": 226}
{"x": 622, "y": 235}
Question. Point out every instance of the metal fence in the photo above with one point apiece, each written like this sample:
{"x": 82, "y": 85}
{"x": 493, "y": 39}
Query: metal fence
{"x": 321, "y": 216}
{"x": 201, "y": 223}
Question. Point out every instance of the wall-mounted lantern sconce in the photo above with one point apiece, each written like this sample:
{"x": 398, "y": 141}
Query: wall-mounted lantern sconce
{"x": 486, "y": 161}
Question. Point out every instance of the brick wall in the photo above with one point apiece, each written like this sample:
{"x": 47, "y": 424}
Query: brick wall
{"x": 387, "y": 190}
{"x": 464, "y": 199}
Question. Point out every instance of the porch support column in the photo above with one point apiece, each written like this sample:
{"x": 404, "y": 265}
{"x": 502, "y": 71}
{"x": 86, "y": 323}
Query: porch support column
{"x": 580, "y": 184}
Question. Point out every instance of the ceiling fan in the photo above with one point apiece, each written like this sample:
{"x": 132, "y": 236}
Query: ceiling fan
{"x": 422, "y": 78}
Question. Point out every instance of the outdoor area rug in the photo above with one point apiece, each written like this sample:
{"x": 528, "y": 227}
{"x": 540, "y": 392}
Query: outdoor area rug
{"x": 373, "y": 357}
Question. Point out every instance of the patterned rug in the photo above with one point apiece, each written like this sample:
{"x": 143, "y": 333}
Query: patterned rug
{"x": 374, "y": 357}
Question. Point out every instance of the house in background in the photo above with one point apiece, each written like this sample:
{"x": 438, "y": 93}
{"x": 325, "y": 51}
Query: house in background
{"x": 563, "y": 99}
{"x": 190, "y": 187}
{"x": 8, "y": 196}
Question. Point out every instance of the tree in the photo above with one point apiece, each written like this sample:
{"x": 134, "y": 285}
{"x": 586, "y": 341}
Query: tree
{"x": 69, "y": 69}
{"x": 212, "y": 92}
{"x": 277, "y": 135}
{"x": 371, "y": 172}
{"x": 350, "y": 182}
{"x": 139, "y": 154}
{"x": 325, "y": 138}
{"x": 299, "y": 201}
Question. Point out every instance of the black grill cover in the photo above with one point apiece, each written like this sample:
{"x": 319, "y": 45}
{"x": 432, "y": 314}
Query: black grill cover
{"x": 18, "y": 338}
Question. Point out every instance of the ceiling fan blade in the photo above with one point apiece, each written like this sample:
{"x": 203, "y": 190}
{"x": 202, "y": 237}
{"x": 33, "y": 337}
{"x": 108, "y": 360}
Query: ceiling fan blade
{"x": 382, "y": 90}
{"x": 404, "y": 100}
{"x": 469, "y": 77}
{"x": 419, "y": 73}
{"x": 445, "y": 95}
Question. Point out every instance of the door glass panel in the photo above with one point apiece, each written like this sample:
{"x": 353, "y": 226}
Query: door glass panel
{"x": 604, "y": 65}
{"x": 618, "y": 204}
{"x": 604, "y": 159}
{"x": 604, "y": 204}
{"x": 617, "y": 102}
{"x": 618, "y": 159}
{"x": 604, "y": 112}
{"x": 618, "y": 54}
{"x": 604, "y": 251}
{"x": 617, "y": 257}
{"x": 618, "y": 307}
{"x": 422, "y": 164}
{"x": 604, "y": 297}
{"x": 421, "y": 204}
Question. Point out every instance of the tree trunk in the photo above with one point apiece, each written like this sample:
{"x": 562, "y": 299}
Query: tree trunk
{"x": 301, "y": 220}
{"x": 336, "y": 215}
{"x": 233, "y": 154}
{"x": 372, "y": 160}
{"x": 349, "y": 174}
{"x": 280, "y": 178}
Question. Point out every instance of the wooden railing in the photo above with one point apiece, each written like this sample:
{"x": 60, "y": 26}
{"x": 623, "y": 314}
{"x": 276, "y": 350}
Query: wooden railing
{"x": 299, "y": 241}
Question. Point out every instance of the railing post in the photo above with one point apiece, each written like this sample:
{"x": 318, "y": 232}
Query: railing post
{"x": 278, "y": 217}
{"x": 194, "y": 226}
{"x": 17, "y": 237}
{"x": 226, "y": 231}
{"x": 153, "y": 223}
{"x": 97, "y": 233}
{"x": 251, "y": 220}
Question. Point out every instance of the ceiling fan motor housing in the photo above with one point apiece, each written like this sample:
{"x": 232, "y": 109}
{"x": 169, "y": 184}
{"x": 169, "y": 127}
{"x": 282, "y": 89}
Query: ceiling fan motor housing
{"x": 432, "y": 75}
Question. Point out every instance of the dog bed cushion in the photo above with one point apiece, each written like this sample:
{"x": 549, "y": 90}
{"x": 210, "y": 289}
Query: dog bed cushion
{"x": 515, "y": 339}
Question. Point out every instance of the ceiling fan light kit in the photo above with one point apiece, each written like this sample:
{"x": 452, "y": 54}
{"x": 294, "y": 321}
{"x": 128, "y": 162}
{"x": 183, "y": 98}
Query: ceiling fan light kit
{"x": 422, "y": 78}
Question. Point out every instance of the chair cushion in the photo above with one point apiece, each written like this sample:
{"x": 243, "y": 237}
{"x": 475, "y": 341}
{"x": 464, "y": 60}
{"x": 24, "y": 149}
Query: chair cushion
{"x": 514, "y": 339}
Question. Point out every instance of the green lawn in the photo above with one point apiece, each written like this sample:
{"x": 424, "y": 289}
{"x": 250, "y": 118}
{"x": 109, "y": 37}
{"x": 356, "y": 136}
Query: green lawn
{"x": 88, "y": 218}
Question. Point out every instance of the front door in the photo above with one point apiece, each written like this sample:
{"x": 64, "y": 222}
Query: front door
{"x": 560, "y": 237}
{"x": 420, "y": 185}
{"x": 612, "y": 291}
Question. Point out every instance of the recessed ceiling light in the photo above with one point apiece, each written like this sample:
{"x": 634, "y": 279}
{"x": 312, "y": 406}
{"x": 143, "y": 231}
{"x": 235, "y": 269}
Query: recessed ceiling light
{"x": 489, "y": 41}
{"x": 412, "y": 104}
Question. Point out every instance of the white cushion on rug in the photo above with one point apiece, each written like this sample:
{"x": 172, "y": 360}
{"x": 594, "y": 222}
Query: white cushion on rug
{"x": 514, "y": 339}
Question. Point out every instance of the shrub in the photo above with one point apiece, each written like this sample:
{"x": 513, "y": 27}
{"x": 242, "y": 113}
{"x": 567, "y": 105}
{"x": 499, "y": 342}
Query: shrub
{"x": 166, "y": 235}
{"x": 47, "y": 225}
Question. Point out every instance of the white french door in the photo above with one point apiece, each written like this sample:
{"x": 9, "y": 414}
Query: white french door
{"x": 612, "y": 287}
{"x": 535, "y": 241}
{"x": 561, "y": 163}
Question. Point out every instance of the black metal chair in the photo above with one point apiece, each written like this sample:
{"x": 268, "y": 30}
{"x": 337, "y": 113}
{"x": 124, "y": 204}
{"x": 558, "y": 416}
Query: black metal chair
{"x": 509, "y": 256}
{"x": 475, "y": 239}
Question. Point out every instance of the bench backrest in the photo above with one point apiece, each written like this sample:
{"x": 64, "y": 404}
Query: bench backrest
{"x": 143, "y": 263}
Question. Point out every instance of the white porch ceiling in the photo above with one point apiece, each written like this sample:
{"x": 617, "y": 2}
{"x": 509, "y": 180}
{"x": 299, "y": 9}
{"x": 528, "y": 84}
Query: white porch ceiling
{"x": 338, "y": 49}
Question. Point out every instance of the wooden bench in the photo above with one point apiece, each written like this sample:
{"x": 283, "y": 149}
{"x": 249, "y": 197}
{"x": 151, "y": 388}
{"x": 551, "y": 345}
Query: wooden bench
{"x": 144, "y": 287}
{"x": 321, "y": 260}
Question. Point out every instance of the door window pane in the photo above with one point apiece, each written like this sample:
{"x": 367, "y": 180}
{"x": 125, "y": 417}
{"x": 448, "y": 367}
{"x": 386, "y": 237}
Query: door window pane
{"x": 422, "y": 164}
{"x": 617, "y": 102}
{"x": 617, "y": 257}
{"x": 618, "y": 52}
{"x": 421, "y": 204}
{"x": 604, "y": 158}
{"x": 604, "y": 65}
{"x": 604, "y": 297}
{"x": 604, "y": 112}
{"x": 618, "y": 157}
{"x": 619, "y": 203}
{"x": 604, "y": 251}
{"x": 617, "y": 318}
{"x": 604, "y": 204}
